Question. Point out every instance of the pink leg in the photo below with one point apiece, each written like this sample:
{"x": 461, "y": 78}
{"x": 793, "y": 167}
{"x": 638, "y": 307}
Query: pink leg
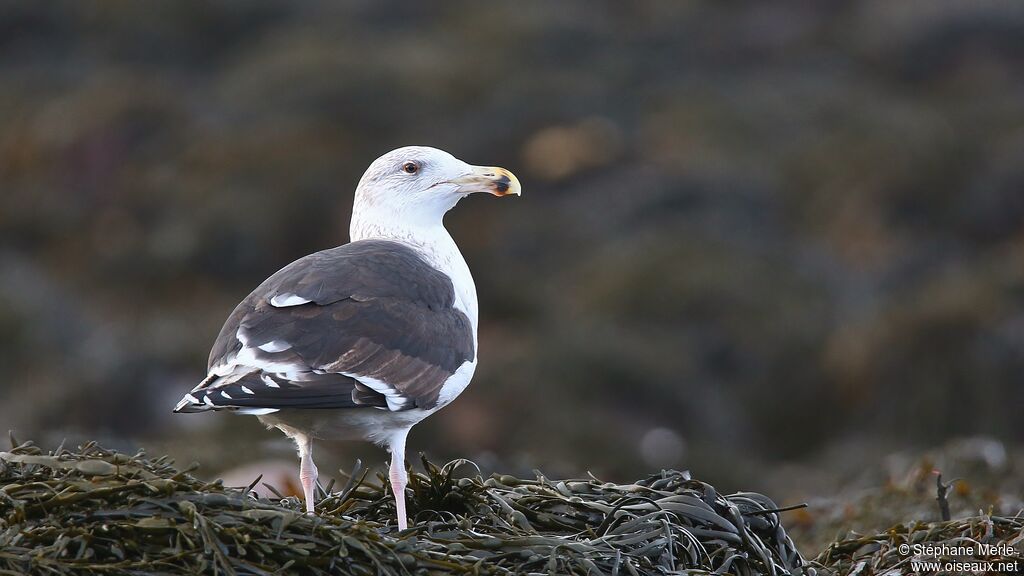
{"x": 399, "y": 478}
{"x": 307, "y": 470}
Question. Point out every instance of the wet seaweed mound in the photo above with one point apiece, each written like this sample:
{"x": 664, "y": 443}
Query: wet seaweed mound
{"x": 97, "y": 511}
{"x": 994, "y": 542}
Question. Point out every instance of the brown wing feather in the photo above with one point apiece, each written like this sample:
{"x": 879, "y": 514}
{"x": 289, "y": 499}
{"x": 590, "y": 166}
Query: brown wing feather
{"x": 373, "y": 309}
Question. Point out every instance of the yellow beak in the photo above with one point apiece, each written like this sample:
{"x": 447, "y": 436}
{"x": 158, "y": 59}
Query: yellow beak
{"x": 490, "y": 179}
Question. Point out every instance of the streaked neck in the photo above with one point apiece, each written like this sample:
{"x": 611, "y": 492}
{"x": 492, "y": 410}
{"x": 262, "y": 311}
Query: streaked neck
{"x": 370, "y": 221}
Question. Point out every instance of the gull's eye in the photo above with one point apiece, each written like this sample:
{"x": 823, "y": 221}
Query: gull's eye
{"x": 410, "y": 167}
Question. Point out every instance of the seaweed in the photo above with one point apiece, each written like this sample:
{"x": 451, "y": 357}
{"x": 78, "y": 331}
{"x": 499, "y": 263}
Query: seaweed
{"x": 97, "y": 511}
{"x": 891, "y": 551}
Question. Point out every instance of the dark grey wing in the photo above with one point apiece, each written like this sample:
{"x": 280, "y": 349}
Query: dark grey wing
{"x": 366, "y": 324}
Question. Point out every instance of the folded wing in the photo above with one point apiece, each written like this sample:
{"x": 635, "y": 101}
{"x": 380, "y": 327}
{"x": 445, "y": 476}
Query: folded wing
{"x": 367, "y": 324}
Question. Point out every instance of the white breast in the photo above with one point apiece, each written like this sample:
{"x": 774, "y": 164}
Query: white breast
{"x": 456, "y": 384}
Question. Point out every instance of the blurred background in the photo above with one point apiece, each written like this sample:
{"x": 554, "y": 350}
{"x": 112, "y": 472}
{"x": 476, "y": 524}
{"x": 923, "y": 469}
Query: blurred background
{"x": 768, "y": 243}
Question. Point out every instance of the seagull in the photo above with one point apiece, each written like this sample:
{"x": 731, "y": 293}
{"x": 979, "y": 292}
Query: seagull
{"x": 364, "y": 340}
